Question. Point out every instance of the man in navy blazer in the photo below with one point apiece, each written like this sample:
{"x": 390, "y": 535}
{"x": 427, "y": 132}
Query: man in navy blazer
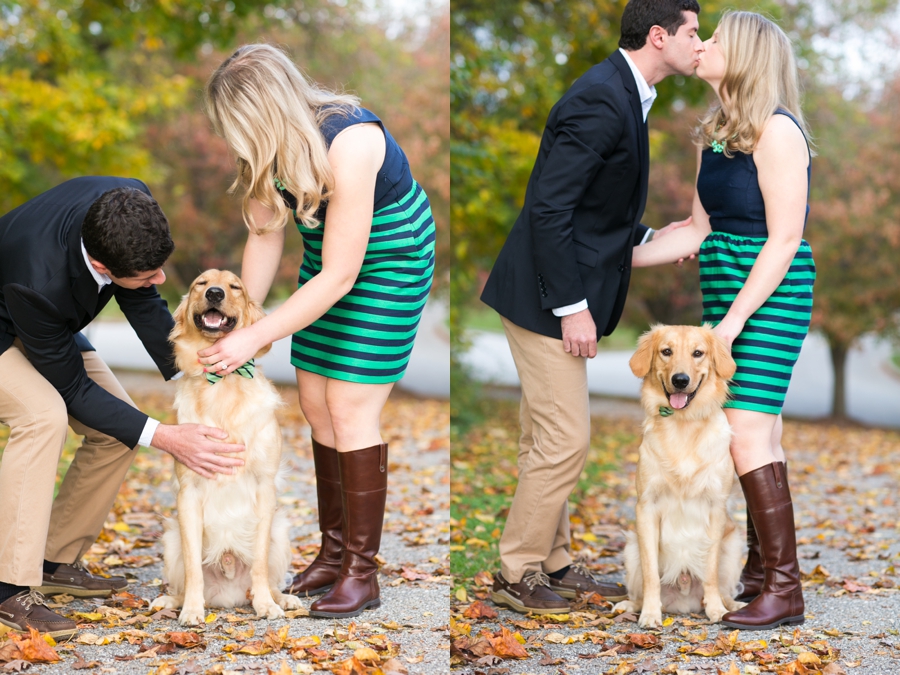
{"x": 63, "y": 256}
{"x": 561, "y": 279}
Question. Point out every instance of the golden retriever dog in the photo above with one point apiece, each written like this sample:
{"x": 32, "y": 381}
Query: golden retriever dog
{"x": 686, "y": 554}
{"x": 229, "y": 543}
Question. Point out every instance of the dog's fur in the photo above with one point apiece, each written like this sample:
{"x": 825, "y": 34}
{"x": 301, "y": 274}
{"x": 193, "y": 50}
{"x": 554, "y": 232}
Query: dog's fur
{"x": 229, "y": 543}
{"x": 686, "y": 553}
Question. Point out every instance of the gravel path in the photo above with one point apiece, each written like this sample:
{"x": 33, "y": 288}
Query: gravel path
{"x": 845, "y": 486}
{"x": 410, "y": 626}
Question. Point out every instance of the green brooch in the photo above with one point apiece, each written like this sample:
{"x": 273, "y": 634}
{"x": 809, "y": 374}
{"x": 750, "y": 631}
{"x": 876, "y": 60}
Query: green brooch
{"x": 665, "y": 411}
{"x": 717, "y": 146}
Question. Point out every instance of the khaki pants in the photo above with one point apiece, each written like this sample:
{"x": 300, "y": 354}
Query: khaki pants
{"x": 34, "y": 527}
{"x": 556, "y": 430}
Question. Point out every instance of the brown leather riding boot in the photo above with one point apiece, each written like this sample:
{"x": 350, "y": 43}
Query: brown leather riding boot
{"x": 364, "y": 491}
{"x": 322, "y": 572}
{"x": 781, "y": 597}
{"x": 753, "y": 574}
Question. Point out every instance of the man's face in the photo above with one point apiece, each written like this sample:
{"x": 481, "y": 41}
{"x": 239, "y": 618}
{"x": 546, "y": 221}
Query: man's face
{"x": 140, "y": 280}
{"x": 682, "y": 50}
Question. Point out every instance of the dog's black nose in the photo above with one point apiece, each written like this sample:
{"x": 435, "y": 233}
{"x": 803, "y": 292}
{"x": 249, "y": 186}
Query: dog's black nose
{"x": 215, "y": 294}
{"x": 680, "y": 380}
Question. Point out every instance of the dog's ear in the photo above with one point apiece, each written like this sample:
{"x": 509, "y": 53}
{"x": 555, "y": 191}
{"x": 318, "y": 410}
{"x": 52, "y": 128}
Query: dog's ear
{"x": 178, "y": 317}
{"x": 643, "y": 357}
{"x": 722, "y": 360}
{"x": 255, "y": 312}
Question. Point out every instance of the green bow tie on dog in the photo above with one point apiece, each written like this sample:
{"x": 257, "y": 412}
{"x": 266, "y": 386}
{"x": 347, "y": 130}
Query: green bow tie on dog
{"x": 247, "y": 370}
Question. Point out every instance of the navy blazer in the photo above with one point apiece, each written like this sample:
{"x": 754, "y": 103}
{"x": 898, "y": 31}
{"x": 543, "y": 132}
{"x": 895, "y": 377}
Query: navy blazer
{"x": 47, "y": 295}
{"x": 574, "y": 237}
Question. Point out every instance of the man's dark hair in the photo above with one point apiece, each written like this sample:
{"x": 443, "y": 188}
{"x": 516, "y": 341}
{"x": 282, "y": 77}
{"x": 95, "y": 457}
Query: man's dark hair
{"x": 127, "y": 231}
{"x": 641, "y": 15}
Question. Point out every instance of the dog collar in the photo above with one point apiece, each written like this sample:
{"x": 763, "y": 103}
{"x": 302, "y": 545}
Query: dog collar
{"x": 665, "y": 411}
{"x": 247, "y": 370}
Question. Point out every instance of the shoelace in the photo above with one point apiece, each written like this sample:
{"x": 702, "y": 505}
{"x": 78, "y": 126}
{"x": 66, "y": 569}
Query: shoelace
{"x": 33, "y": 598}
{"x": 581, "y": 570}
{"x": 536, "y": 579}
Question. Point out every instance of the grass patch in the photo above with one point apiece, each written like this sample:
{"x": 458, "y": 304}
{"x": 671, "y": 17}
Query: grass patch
{"x": 483, "y": 482}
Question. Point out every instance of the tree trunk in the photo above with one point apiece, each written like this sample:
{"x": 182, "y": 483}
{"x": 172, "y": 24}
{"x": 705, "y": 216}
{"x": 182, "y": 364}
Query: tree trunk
{"x": 839, "y": 395}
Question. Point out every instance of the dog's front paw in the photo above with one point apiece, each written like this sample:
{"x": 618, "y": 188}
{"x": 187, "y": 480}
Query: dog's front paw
{"x": 191, "y": 616}
{"x": 165, "y": 602}
{"x": 650, "y": 618}
{"x": 625, "y": 606}
{"x": 267, "y": 609}
{"x": 289, "y": 601}
{"x": 733, "y": 605}
{"x": 715, "y": 611}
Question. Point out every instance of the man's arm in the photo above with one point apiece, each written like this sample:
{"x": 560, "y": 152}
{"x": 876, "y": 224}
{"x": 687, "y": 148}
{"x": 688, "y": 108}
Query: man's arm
{"x": 149, "y": 315}
{"x": 51, "y": 348}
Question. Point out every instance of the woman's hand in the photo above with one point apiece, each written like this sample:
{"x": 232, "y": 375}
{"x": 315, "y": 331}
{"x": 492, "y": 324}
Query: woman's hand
{"x": 728, "y": 329}
{"x": 230, "y": 352}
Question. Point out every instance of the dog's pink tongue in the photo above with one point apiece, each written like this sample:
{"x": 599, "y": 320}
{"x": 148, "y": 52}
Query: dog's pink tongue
{"x": 678, "y": 401}
{"x": 212, "y": 319}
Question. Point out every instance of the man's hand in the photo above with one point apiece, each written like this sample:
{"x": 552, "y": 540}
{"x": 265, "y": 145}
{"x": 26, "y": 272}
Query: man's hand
{"x": 190, "y": 444}
{"x": 580, "y": 334}
{"x": 671, "y": 227}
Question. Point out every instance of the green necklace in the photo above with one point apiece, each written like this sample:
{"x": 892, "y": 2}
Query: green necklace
{"x": 717, "y": 145}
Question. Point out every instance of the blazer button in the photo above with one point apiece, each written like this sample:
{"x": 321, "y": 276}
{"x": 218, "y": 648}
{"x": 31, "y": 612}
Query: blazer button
{"x": 543, "y": 294}
{"x": 621, "y": 268}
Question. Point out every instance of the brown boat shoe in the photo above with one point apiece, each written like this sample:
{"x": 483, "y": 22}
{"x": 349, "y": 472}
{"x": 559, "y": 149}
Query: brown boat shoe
{"x": 530, "y": 595}
{"x": 75, "y": 580}
{"x": 27, "y": 610}
{"x": 579, "y": 580}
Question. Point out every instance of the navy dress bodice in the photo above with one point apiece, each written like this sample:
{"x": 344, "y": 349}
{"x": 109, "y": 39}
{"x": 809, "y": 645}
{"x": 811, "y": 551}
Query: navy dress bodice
{"x": 394, "y": 178}
{"x": 729, "y": 191}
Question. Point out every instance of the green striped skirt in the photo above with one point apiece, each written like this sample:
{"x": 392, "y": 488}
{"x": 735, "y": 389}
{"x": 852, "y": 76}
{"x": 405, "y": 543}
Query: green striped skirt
{"x": 768, "y": 347}
{"x": 367, "y": 336}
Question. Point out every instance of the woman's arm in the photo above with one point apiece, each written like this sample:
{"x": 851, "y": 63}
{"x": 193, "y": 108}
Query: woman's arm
{"x": 781, "y": 159}
{"x": 679, "y": 244}
{"x": 356, "y": 155}
{"x": 262, "y": 254}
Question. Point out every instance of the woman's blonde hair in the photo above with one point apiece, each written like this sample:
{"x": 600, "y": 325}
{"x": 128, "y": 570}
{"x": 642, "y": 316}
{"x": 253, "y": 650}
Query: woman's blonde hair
{"x": 269, "y": 113}
{"x": 760, "y": 77}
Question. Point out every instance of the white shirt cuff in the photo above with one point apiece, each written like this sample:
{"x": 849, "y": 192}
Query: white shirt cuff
{"x": 147, "y": 435}
{"x": 570, "y": 309}
{"x": 646, "y": 234}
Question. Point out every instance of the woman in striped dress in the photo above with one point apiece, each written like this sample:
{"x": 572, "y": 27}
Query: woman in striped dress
{"x": 331, "y": 167}
{"x": 756, "y": 275}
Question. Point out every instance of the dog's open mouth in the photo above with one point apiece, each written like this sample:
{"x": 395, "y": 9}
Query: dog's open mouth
{"x": 212, "y": 320}
{"x": 681, "y": 399}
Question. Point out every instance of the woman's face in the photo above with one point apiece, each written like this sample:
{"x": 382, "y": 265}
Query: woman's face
{"x": 712, "y": 61}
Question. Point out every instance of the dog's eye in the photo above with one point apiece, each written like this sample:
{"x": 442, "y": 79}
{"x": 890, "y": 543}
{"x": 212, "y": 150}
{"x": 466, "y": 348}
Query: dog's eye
{"x": 697, "y": 353}
{"x": 201, "y": 283}
{"x": 666, "y": 352}
{"x": 234, "y": 287}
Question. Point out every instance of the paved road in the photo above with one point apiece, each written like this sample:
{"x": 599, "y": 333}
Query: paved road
{"x": 873, "y": 385}
{"x": 428, "y": 373}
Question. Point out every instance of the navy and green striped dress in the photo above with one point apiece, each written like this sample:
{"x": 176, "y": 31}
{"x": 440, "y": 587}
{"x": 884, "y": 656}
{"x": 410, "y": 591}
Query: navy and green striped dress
{"x": 768, "y": 347}
{"x": 367, "y": 336}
